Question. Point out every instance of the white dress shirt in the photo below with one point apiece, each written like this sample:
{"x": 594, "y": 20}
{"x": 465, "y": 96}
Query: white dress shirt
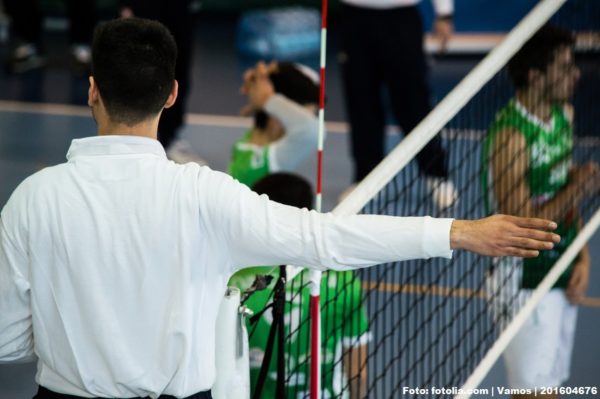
{"x": 113, "y": 264}
{"x": 442, "y": 7}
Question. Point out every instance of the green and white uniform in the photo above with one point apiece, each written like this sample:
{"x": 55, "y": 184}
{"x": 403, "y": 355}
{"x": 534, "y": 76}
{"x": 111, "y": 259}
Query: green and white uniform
{"x": 344, "y": 325}
{"x": 539, "y": 354}
{"x": 549, "y": 148}
{"x": 250, "y": 162}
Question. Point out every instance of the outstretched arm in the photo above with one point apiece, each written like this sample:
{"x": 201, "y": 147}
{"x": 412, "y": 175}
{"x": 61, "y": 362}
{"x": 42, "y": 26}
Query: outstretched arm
{"x": 257, "y": 231}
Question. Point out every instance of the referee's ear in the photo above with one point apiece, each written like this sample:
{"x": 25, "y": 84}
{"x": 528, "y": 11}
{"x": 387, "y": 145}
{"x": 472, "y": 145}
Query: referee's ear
{"x": 172, "y": 95}
{"x": 93, "y": 94}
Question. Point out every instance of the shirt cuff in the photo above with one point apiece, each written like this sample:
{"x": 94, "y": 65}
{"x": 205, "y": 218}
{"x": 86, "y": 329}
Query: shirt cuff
{"x": 436, "y": 233}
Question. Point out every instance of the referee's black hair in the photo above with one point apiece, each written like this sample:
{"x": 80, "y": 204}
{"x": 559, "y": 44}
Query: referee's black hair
{"x": 537, "y": 53}
{"x": 287, "y": 189}
{"x": 291, "y": 81}
{"x": 133, "y": 65}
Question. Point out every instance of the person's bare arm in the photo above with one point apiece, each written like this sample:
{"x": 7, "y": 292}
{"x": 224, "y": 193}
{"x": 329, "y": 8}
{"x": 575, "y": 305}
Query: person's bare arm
{"x": 355, "y": 368}
{"x": 443, "y": 28}
{"x": 580, "y": 277}
{"x": 579, "y": 281}
{"x": 510, "y": 165}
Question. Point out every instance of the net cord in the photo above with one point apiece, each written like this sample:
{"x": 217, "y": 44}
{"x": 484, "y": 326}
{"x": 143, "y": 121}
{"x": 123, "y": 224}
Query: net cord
{"x": 525, "y": 312}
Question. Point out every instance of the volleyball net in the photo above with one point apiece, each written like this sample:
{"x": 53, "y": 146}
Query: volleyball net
{"x": 390, "y": 330}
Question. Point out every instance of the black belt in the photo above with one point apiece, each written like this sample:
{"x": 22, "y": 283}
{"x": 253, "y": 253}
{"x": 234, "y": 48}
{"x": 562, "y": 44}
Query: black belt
{"x": 44, "y": 393}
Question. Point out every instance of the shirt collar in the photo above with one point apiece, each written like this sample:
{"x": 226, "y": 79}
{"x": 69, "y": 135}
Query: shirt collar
{"x": 115, "y": 145}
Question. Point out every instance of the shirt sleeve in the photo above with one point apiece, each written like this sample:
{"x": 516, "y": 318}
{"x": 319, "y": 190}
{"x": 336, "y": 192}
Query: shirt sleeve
{"x": 16, "y": 333}
{"x": 301, "y": 134}
{"x": 255, "y": 231}
{"x": 443, "y": 7}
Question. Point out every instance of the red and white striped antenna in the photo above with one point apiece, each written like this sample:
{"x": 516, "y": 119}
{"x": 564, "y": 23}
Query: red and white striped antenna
{"x": 315, "y": 276}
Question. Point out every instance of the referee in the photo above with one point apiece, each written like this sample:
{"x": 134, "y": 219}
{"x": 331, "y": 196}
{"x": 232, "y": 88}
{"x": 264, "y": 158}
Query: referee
{"x": 113, "y": 264}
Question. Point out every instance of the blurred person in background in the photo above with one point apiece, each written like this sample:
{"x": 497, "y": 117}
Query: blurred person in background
{"x": 382, "y": 46}
{"x": 283, "y": 98}
{"x": 528, "y": 171}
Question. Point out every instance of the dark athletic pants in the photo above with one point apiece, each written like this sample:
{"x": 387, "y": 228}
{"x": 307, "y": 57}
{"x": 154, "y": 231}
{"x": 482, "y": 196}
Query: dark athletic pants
{"x": 44, "y": 393}
{"x": 385, "y": 47}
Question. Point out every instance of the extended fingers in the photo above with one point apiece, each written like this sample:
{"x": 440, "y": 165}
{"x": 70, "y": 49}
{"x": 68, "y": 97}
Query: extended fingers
{"x": 533, "y": 223}
{"x": 538, "y": 235}
{"x": 520, "y": 252}
{"x": 529, "y": 243}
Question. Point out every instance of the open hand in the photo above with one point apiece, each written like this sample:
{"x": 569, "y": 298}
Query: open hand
{"x": 504, "y": 235}
{"x": 257, "y": 87}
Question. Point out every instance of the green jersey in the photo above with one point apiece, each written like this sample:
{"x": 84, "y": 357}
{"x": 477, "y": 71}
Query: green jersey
{"x": 344, "y": 325}
{"x": 549, "y": 148}
{"x": 249, "y": 162}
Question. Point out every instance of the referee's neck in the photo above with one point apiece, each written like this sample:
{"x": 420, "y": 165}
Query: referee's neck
{"x": 147, "y": 128}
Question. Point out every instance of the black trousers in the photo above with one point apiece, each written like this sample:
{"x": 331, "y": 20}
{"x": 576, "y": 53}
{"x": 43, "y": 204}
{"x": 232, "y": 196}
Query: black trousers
{"x": 44, "y": 393}
{"x": 175, "y": 15}
{"x": 385, "y": 48}
{"x": 26, "y": 16}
